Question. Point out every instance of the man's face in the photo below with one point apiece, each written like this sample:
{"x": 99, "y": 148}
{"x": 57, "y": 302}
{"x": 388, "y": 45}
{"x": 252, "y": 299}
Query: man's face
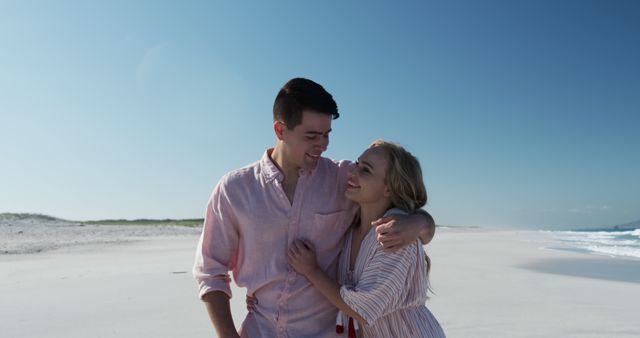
{"x": 307, "y": 141}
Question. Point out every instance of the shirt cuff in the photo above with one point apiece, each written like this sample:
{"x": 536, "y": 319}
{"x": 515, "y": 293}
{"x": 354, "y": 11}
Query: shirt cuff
{"x": 214, "y": 285}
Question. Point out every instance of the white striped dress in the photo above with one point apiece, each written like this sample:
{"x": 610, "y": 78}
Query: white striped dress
{"x": 388, "y": 290}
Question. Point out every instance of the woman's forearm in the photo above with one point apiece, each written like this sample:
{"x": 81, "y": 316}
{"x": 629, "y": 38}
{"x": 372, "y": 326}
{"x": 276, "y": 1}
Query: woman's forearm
{"x": 330, "y": 289}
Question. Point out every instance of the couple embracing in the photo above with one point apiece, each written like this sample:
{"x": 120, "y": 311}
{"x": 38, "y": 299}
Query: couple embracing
{"x": 325, "y": 248}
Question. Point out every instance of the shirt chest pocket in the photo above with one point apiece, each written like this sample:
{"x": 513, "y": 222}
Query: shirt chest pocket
{"x": 326, "y": 222}
{"x": 327, "y": 233}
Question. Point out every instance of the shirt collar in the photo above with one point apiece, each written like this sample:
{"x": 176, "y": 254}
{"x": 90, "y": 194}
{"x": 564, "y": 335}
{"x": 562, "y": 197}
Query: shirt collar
{"x": 271, "y": 172}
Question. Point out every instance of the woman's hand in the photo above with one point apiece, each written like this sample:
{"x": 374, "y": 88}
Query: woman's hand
{"x": 251, "y": 303}
{"x": 302, "y": 257}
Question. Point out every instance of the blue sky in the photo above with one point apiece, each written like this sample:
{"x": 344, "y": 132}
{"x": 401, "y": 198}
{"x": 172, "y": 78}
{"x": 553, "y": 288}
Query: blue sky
{"x": 523, "y": 113}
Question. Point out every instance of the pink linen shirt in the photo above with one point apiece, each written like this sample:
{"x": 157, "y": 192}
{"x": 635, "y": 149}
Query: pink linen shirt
{"x": 248, "y": 227}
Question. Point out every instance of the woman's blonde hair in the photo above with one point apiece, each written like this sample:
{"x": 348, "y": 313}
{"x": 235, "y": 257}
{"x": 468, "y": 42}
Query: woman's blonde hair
{"x": 403, "y": 177}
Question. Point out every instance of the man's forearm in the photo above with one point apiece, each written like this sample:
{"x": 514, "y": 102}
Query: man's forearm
{"x": 427, "y": 233}
{"x": 217, "y": 303}
{"x": 397, "y": 231}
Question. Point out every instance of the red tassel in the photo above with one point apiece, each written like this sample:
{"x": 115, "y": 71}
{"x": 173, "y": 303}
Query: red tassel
{"x": 352, "y": 330}
{"x": 339, "y": 328}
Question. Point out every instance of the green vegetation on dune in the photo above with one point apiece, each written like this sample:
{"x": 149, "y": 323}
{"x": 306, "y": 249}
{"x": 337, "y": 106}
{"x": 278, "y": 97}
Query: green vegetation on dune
{"x": 9, "y": 216}
{"x": 193, "y": 222}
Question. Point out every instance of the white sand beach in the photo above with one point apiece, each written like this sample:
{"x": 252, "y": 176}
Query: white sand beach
{"x": 487, "y": 283}
{"x": 506, "y": 284}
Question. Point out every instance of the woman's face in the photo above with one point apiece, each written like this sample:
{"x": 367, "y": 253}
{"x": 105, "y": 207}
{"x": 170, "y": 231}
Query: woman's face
{"x": 366, "y": 182}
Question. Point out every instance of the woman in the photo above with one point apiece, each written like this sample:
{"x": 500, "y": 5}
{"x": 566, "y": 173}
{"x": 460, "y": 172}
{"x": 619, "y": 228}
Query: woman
{"x": 384, "y": 292}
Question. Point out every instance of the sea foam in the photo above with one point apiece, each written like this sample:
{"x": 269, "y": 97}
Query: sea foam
{"x": 611, "y": 243}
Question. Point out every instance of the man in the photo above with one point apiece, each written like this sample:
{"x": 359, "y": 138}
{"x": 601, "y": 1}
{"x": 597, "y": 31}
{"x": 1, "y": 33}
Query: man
{"x": 256, "y": 212}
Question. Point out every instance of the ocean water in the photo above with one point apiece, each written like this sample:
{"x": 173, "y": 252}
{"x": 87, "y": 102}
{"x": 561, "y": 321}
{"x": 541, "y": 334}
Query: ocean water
{"x": 609, "y": 242}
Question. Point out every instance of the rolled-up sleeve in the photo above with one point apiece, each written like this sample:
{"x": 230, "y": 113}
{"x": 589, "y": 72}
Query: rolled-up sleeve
{"x": 217, "y": 249}
{"x": 380, "y": 287}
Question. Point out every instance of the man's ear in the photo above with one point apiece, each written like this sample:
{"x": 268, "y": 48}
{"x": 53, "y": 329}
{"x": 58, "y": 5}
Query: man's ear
{"x": 277, "y": 128}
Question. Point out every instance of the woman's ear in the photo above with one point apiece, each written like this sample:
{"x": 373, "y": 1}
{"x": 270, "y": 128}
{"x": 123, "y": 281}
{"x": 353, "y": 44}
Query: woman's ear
{"x": 387, "y": 191}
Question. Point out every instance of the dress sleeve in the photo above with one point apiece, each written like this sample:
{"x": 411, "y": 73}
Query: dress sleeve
{"x": 381, "y": 285}
{"x": 217, "y": 249}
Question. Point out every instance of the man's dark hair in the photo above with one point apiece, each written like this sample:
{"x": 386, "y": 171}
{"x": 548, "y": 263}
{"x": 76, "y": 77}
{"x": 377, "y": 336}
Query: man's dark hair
{"x": 301, "y": 94}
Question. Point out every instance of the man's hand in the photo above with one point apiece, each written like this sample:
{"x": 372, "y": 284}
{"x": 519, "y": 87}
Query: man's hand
{"x": 397, "y": 231}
